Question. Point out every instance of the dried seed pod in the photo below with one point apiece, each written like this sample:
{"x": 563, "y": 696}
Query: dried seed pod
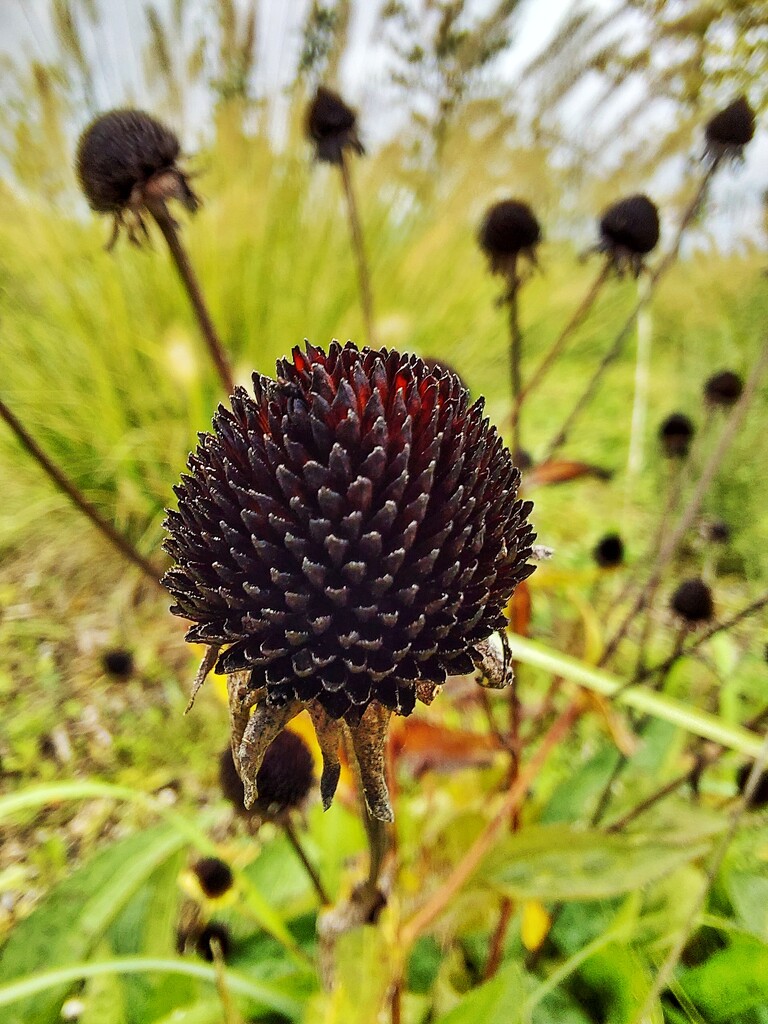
{"x": 509, "y": 230}
{"x": 629, "y": 230}
{"x": 214, "y": 876}
{"x": 609, "y": 551}
{"x": 118, "y": 663}
{"x": 332, "y": 126}
{"x": 724, "y": 388}
{"x": 123, "y": 154}
{"x": 692, "y": 601}
{"x": 729, "y": 131}
{"x": 346, "y": 538}
{"x": 284, "y": 779}
{"x": 675, "y": 435}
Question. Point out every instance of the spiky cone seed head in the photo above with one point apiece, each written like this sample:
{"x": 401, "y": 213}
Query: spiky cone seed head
{"x": 118, "y": 663}
{"x": 214, "y": 876}
{"x": 629, "y": 230}
{"x": 760, "y": 795}
{"x": 509, "y": 230}
{"x": 609, "y": 551}
{"x": 724, "y": 389}
{"x": 346, "y": 538}
{"x": 692, "y": 601}
{"x": 205, "y": 938}
{"x": 675, "y": 435}
{"x": 332, "y": 126}
{"x": 729, "y": 131}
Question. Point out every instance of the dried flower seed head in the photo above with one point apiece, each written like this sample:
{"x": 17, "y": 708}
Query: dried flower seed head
{"x": 717, "y": 531}
{"x": 118, "y": 663}
{"x": 609, "y": 551}
{"x": 509, "y": 230}
{"x": 213, "y": 932}
{"x": 285, "y": 777}
{"x": 692, "y": 601}
{"x": 332, "y": 126}
{"x": 760, "y": 795}
{"x": 675, "y": 435}
{"x": 724, "y": 389}
{"x": 123, "y": 157}
{"x": 214, "y": 876}
{"x": 346, "y": 538}
{"x": 729, "y": 131}
{"x": 629, "y": 230}
{"x": 442, "y": 364}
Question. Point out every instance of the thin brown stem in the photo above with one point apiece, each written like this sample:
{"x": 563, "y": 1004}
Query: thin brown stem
{"x": 467, "y": 866}
{"x": 621, "y": 338}
{"x": 578, "y": 316}
{"x": 159, "y": 210}
{"x": 669, "y": 546}
{"x": 76, "y": 496}
{"x": 293, "y": 839}
{"x": 496, "y": 949}
{"x": 358, "y": 245}
{"x": 396, "y": 1004}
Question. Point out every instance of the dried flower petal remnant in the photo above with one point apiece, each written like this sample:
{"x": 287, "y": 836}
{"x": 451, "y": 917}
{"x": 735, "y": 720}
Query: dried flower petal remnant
{"x": 347, "y": 537}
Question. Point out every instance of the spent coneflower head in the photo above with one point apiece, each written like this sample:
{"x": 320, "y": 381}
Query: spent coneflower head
{"x": 509, "y": 230}
{"x": 692, "y": 601}
{"x": 716, "y": 531}
{"x": 332, "y": 126}
{"x": 118, "y": 662}
{"x": 724, "y": 389}
{"x": 729, "y": 131}
{"x": 629, "y": 230}
{"x": 124, "y": 156}
{"x": 608, "y": 553}
{"x": 214, "y": 875}
{"x": 675, "y": 434}
{"x": 213, "y": 932}
{"x": 347, "y": 537}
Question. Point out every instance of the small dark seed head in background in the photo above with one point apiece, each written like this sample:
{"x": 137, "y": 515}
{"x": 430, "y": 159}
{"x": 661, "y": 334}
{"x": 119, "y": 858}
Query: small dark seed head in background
{"x": 675, "y": 435}
{"x": 629, "y": 230}
{"x": 717, "y": 531}
{"x": 211, "y": 932}
{"x": 609, "y": 551}
{"x": 286, "y": 776}
{"x": 523, "y": 459}
{"x": 214, "y": 876}
{"x": 760, "y": 795}
{"x": 332, "y": 126}
{"x": 692, "y": 601}
{"x": 509, "y": 230}
{"x": 118, "y": 663}
{"x": 729, "y": 131}
{"x": 724, "y": 388}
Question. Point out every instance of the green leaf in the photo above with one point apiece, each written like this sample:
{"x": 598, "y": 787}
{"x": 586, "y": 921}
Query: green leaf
{"x": 560, "y": 863}
{"x": 498, "y": 1001}
{"x": 74, "y": 916}
{"x": 730, "y": 982}
{"x": 749, "y": 895}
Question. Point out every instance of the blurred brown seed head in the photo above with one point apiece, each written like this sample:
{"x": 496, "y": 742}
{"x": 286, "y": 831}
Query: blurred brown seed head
{"x": 724, "y": 388}
{"x": 675, "y": 435}
{"x": 509, "y": 230}
{"x": 214, "y": 876}
{"x": 692, "y": 601}
{"x": 629, "y": 230}
{"x": 760, "y": 795}
{"x": 729, "y": 131}
{"x": 284, "y": 780}
{"x": 332, "y": 126}
{"x": 213, "y": 932}
{"x": 118, "y": 663}
{"x": 609, "y": 551}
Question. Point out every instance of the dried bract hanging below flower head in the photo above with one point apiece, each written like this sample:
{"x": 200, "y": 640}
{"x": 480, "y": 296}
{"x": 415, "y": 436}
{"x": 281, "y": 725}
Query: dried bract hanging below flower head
{"x": 729, "y": 131}
{"x": 724, "y": 388}
{"x": 346, "y": 538}
{"x": 121, "y": 156}
{"x": 609, "y": 551}
{"x": 332, "y": 126}
{"x": 675, "y": 435}
{"x": 629, "y": 230}
{"x": 692, "y": 601}
{"x": 509, "y": 230}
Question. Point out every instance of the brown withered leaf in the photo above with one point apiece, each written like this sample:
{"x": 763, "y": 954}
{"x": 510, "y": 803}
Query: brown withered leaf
{"x": 424, "y": 746}
{"x": 563, "y": 471}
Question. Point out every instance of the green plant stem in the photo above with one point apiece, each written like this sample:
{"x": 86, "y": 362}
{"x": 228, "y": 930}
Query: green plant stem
{"x": 358, "y": 245}
{"x": 309, "y": 867}
{"x": 621, "y": 338}
{"x": 78, "y": 499}
{"x": 169, "y": 229}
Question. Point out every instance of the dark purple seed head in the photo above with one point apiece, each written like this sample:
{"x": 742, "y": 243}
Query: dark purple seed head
{"x": 629, "y": 230}
{"x": 692, "y": 601}
{"x": 730, "y": 130}
{"x": 675, "y": 435}
{"x": 724, "y": 388}
{"x": 213, "y": 932}
{"x": 286, "y": 775}
{"x": 118, "y": 663}
{"x": 214, "y": 876}
{"x": 509, "y": 229}
{"x": 609, "y": 551}
{"x": 332, "y": 126}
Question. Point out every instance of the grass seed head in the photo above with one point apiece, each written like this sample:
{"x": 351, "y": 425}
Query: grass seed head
{"x": 214, "y": 876}
{"x": 509, "y": 230}
{"x": 609, "y": 551}
{"x": 629, "y": 230}
{"x": 332, "y": 126}
{"x": 724, "y": 388}
{"x": 729, "y": 131}
{"x": 692, "y": 601}
{"x": 675, "y": 435}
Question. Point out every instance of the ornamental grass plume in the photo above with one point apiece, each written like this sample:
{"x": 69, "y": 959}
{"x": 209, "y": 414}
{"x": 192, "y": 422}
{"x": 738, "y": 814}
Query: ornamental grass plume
{"x": 729, "y": 131}
{"x": 723, "y": 389}
{"x": 346, "y": 540}
{"x": 675, "y": 435}
{"x": 629, "y": 231}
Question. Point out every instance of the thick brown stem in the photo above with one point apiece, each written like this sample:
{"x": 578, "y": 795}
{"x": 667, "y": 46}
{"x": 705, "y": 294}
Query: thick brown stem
{"x": 358, "y": 245}
{"x": 168, "y": 227}
{"x": 78, "y": 499}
